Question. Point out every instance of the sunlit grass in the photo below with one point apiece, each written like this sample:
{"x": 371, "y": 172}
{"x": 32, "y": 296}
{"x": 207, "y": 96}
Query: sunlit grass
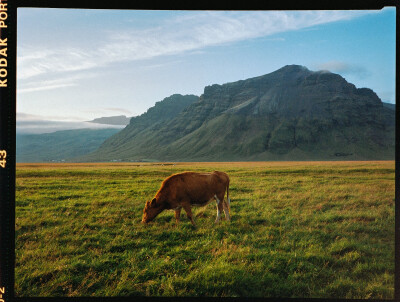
{"x": 301, "y": 229}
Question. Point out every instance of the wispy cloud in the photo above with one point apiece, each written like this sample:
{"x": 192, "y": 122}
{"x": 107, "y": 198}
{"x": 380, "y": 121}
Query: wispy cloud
{"x": 344, "y": 68}
{"x": 184, "y": 34}
{"x": 26, "y": 117}
{"x": 198, "y": 31}
{"x": 34, "y": 61}
{"x": 36, "y": 124}
{"x": 43, "y": 84}
{"x": 43, "y": 126}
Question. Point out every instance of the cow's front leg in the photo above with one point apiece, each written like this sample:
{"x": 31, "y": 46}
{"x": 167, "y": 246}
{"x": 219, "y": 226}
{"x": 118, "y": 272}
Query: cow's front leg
{"x": 188, "y": 210}
{"x": 177, "y": 215}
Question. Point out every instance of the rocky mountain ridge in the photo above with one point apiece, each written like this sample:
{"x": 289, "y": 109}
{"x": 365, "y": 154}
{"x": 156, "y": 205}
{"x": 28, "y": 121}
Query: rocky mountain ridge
{"x": 290, "y": 114}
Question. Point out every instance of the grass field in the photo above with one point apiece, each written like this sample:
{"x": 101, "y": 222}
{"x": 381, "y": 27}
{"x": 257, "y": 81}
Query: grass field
{"x": 298, "y": 229}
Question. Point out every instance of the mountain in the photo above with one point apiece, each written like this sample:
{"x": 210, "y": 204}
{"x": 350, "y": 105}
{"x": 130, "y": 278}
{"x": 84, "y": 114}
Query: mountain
{"x": 290, "y": 114}
{"x": 112, "y": 120}
{"x": 60, "y": 145}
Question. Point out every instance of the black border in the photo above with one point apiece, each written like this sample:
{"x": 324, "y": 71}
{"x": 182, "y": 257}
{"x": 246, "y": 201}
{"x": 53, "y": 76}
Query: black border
{"x": 8, "y": 122}
{"x": 210, "y": 5}
{"x": 7, "y": 143}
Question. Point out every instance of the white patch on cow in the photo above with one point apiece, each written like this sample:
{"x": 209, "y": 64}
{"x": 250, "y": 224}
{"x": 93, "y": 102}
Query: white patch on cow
{"x": 218, "y": 211}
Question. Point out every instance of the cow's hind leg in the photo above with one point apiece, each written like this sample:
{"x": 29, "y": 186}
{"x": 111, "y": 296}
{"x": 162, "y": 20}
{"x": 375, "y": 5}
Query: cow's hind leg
{"x": 226, "y": 211}
{"x": 188, "y": 210}
{"x": 219, "y": 207}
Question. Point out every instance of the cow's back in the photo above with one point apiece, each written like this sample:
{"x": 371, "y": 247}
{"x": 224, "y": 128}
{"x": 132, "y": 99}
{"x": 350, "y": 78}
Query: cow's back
{"x": 222, "y": 177}
{"x": 195, "y": 187}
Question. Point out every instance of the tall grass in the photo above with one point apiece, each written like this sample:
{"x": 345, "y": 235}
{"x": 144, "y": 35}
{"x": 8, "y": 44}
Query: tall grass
{"x": 302, "y": 229}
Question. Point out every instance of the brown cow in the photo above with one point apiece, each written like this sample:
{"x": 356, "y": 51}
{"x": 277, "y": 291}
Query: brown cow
{"x": 187, "y": 189}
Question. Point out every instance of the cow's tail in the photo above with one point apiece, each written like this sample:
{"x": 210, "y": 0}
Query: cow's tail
{"x": 228, "y": 200}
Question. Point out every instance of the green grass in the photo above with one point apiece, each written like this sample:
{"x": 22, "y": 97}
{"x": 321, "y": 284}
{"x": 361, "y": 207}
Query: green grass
{"x": 305, "y": 229}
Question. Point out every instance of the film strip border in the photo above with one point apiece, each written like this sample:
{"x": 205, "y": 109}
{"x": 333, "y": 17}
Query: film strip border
{"x": 8, "y": 21}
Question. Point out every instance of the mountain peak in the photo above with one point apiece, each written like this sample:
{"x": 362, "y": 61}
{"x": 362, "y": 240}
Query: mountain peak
{"x": 293, "y": 68}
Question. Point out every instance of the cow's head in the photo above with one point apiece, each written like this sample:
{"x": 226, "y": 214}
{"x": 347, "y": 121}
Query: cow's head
{"x": 151, "y": 210}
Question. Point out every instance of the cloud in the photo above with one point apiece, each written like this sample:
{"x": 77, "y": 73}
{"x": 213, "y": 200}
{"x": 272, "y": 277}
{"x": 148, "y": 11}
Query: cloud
{"x": 27, "y": 117}
{"x": 200, "y": 30}
{"x": 45, "y": 87}
{"x": 40, "y": 126}
{"x": 186, "y": 33}
{"x": 34, "y": 61}
{"x": 40, "y": 84}
{"x": 36, "y": 124}
{"x": 344, "y": 68}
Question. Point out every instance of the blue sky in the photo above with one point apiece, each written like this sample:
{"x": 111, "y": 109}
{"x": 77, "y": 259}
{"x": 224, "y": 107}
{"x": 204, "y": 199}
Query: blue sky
{"x": 76, "y": 65}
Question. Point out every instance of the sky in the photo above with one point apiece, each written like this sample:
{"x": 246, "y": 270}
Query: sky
{"x": 74, "y": 65}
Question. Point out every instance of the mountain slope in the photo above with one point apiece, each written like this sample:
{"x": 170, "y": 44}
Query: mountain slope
{"x": 290, "y": 114}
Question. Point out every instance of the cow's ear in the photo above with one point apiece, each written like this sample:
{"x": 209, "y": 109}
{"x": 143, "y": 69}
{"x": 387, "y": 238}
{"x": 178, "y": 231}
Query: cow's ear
{"x": 153, "y": 202}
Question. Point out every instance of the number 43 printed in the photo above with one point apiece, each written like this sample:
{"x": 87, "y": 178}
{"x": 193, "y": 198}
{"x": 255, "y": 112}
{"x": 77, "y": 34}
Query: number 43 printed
{"x": 3, "y": 155}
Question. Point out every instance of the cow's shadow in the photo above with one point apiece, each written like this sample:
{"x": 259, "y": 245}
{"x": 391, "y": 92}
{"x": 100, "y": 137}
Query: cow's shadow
{"x": 258, "y": 221}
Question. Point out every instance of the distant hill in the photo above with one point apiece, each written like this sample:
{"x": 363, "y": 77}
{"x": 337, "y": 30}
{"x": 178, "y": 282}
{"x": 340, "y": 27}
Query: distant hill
{"x": 60, "y": 145}
{"x": 112, "y": 120}
{"x": 290, "y": 114}
{"x": 154, "y": 117}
